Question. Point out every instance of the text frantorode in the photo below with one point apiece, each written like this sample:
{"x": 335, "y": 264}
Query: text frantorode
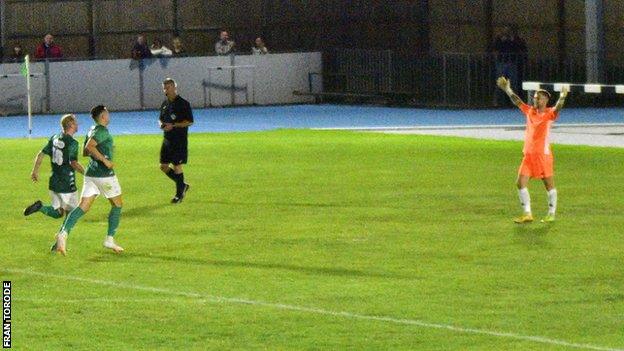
{"x": 6, "y": 314}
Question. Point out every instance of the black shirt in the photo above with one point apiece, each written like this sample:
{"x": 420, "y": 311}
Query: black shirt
{"x": 141, "y": 51}
{"x": 177, "y": 110}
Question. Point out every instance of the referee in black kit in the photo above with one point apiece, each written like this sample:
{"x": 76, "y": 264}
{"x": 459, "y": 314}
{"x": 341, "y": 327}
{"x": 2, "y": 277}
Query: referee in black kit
{"x": 175, "y": 118}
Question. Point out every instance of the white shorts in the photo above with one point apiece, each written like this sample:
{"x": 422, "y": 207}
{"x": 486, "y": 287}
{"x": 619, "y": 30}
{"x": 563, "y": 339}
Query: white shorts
{"x": 93, "y": 186}
{"x": 66, "y": 201}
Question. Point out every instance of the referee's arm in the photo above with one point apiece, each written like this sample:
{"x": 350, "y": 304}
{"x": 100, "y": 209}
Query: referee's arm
{"x": 182, "y": 124}
{"x": 187, "y": 120}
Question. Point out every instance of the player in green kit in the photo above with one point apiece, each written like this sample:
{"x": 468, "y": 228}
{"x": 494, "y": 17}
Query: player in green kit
{"x": 63, "y": 151}
{"x": 99, "y": 178}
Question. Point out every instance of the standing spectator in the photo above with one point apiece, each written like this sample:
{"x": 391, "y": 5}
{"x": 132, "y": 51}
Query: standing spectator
{"x": 178, "y": 48}
{"x": 159, "y": 50}
{"x": 17, "y": 55}
{"x": 47, "y": 49}
{"x": 140, "y": 50}
{"x": 521, "y": 57}
{"x": 509, "y": 51}
{"x": 259, "y": 47}
{"x": 224, "y": 46}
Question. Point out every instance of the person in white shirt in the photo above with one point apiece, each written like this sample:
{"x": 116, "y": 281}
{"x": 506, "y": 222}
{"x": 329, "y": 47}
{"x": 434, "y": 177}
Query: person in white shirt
{"x": 158, "y": 50}
{"x": 259, "y": 47}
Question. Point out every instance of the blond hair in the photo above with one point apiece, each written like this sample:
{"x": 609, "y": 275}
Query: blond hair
{"x": 67, "y": 120}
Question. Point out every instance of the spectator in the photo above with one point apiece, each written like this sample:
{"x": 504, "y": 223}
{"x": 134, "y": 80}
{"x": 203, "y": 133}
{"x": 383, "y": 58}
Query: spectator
{"x": 522, "y": 58}
{"x": 178, "y": 49}
{"x": 510, "y": 51}
{"x": 17, "y": 55}
{"x": 140, "y": 50}
{"x": 47, "y": 49}
{"x": 158, "y": 50}
{"x": 224, "y": 46}
{"x": 259, "y": 47}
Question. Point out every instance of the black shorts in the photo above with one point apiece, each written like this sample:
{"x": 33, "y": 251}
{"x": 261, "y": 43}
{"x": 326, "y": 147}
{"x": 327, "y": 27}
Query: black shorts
{"x": 174, "y": 153}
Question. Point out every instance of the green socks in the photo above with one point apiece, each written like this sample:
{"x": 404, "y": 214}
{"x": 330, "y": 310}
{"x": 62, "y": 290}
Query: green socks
{"x": 71, "y": 220}
{"x": 50, "y": 211}
{"x": 113, "y": 220}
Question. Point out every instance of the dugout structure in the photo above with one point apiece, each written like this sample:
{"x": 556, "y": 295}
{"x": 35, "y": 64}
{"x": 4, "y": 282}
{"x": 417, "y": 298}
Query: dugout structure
{"x": 237, "y": 82}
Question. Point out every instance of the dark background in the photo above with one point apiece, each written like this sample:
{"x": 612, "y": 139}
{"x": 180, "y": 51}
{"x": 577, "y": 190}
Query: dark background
{"x": 107, "y": 28}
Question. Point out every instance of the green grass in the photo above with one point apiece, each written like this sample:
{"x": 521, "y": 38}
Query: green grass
{"x": 399, "y": 226}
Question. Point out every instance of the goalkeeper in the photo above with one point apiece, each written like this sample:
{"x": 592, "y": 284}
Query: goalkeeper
{"x": 538, "y": 158}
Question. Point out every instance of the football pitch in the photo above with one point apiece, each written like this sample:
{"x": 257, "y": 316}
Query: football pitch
{"x": 306, "y": 240}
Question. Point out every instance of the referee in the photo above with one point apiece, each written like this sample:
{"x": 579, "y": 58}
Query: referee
{"x": 175, "y": 118}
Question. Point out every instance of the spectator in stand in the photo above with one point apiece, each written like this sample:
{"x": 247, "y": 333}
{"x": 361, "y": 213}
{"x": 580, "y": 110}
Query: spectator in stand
{"x": 510, "y": 51}
{"x": 158, "y": 50}
{"x": 259, "y": 47}
{"x": 17, "y": 55}
{"x": 224, "y": 46}
{"x": 178, "y": 48}
{"x": 47, "y": 49}
{"x": 140, "y": 50}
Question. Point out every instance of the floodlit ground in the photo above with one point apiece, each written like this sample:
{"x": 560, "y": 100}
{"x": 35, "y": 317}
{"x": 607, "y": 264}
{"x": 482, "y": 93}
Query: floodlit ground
{"x": 293, "y": 240}
{"x": 592, "y": 135}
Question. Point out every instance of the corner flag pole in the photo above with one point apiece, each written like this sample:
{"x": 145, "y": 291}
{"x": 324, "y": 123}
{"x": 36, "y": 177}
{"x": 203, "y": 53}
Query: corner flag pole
{"x": 26, "y": 72}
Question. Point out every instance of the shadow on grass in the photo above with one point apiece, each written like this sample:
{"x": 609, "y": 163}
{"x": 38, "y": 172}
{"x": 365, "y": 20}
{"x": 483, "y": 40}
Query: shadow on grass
{"x": 305, "y": 204}
{"x": 129, "y": 212}
{"x": 533, "y": 235}
{"x": 142, "y": 210}
{"x": 324, "y": 271}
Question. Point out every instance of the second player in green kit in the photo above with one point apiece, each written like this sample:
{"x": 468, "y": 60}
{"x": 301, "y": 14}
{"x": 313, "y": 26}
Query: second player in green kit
{"x": 99, "y": 179}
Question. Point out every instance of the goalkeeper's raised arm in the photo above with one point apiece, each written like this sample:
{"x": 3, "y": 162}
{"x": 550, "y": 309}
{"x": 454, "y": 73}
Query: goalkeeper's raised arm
{"x": 504, "y": 84}
{"x": 562, "y": 97}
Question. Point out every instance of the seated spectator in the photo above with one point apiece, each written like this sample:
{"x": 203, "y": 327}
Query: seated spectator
{"x": 140, "y": 50}
{"x": 224, "y": 46}
{"x": 158, "y": 50}
{"x": 178, "y": 49}
{"x": 47, "y": 49}
{"x": 17, "y": 55}
{"x": 259, "y": 47}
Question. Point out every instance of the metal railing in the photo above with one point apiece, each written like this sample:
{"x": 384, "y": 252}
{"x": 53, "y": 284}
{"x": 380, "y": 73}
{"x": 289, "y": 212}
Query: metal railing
{"x": 449, "y": 79}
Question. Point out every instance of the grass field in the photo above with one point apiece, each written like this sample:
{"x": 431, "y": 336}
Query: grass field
{"x": 305, "y": 240}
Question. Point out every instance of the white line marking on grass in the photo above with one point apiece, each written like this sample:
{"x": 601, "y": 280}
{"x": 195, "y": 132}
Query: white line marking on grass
{"x": 221, "y": 299}
{"x": 466, "y": 126}
{"x": 57, "y": 301}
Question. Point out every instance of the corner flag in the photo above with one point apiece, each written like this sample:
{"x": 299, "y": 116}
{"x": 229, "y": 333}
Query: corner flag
{"x": 25, "y": 69}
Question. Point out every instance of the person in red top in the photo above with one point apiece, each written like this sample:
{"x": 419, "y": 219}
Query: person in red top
{"x": 538, "y": 158}
{"x": 47, "y": 49}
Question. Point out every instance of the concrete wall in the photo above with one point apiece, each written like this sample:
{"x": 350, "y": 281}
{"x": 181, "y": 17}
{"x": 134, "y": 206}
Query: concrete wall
{"x": 13, "y": 97}
{"x": 123, "y": 85}
{"x": 79, "y": 85}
